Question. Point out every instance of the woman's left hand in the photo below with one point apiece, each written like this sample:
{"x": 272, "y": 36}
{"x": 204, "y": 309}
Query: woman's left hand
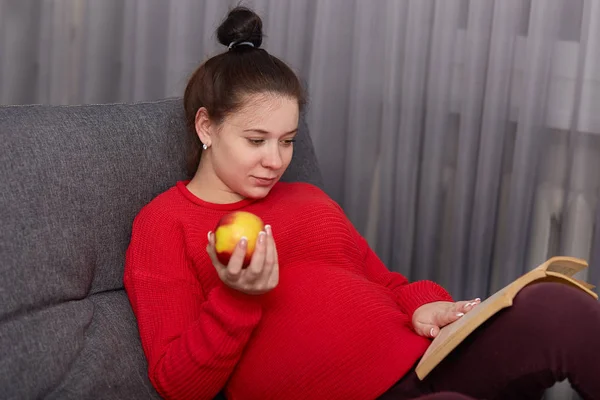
{"x": 431, "y": 317}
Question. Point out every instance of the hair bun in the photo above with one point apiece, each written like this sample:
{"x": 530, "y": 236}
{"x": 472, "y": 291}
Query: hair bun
{"x": 241, "y": 25}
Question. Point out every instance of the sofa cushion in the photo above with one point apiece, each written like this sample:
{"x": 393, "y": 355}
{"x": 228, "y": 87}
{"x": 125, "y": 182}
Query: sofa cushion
{"x": 73, "y": 178}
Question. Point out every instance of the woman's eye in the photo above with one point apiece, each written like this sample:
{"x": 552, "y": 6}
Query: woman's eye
{"x": 288, "y": 142}
{"x": 256, "y": 142}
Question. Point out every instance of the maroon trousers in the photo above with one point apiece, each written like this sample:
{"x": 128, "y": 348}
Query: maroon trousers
{"x": 551, "y": 333}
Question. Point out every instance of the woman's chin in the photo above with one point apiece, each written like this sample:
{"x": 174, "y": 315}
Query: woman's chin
{"x": 257, "y": 192}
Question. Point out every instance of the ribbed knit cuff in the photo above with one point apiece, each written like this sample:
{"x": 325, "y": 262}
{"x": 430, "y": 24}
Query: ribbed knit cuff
{"x": 414, "y": 295}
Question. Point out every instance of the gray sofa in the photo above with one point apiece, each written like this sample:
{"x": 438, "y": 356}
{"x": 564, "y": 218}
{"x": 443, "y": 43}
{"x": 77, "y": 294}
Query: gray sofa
{"x": 73, "y": 178}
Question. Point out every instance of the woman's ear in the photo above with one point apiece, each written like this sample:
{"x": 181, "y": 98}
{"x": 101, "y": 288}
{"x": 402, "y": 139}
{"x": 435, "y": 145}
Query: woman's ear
{"x": 203, "y": 125}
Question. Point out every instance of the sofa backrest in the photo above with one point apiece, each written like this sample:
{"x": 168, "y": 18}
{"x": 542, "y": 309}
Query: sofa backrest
{"x": 72, "y": 180}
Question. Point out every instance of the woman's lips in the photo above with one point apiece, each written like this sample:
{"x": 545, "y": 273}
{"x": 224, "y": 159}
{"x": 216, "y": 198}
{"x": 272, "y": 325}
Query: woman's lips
{"x": 261, "y": 181}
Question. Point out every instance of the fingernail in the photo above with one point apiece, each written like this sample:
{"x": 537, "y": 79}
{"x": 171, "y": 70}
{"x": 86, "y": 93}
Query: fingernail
{"x": 478, "y": 299}
{"x": 459, "y": 314}
{"x": 261, "y": 237}
{"x": 431, "y": 332}
{"x": 208, "y": 235}
{"x": 469, "y": 305}
{"x": 243, "y": 242}
{"x": 268, "y": 229}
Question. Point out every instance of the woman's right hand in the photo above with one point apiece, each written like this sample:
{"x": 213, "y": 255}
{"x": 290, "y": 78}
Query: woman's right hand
{"x": 260, "y": 276}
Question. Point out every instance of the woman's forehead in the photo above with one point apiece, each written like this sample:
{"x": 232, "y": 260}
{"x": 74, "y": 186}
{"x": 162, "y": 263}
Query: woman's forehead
{"x": 261, "y": 112}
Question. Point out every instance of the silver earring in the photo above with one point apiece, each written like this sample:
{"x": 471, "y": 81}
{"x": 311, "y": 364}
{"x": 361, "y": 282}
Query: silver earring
{"x": 204, "y": 146}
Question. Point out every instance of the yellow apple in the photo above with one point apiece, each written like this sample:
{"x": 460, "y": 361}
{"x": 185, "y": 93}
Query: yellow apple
{"x": 229, "y": 231}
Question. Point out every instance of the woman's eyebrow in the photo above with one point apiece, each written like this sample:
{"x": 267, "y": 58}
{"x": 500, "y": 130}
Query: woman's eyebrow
{"x": 264, "y": 132}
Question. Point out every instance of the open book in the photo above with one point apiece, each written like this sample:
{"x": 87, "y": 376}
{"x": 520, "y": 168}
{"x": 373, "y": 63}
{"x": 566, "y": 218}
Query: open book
{"x": 557, "y": 269}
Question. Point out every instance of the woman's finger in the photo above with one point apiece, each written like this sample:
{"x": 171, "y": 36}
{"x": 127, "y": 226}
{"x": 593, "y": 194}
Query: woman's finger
{"x": 447, "y": 317}
{"x": 274, "y": 275}
{"x": 210, "y": 249}
{"x": 427, "y": 330}
{"x": 236, "y": 261}
{"x": 269, "y": 254}
{"x": 466, "y": 306}
{"x": 269, "y": 228}
{"x": 254, "y": 270}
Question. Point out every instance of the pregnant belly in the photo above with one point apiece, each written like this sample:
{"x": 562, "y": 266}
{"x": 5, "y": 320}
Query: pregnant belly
{"x": 319, "y": 324}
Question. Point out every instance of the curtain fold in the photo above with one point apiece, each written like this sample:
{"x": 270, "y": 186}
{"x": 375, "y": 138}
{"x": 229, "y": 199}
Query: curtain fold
{"x": 472, "y": 61}
{"x": 460, "y": 136}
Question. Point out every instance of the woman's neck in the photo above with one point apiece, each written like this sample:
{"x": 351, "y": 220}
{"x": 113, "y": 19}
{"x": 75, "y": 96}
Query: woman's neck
{"x": 207, "y": 186}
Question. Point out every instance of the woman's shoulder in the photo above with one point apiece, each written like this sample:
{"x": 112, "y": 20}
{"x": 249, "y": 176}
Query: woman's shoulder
{"x": 299, "y": 188}
{"x": 161, "y": 209}
{"x": 302, "y": 193}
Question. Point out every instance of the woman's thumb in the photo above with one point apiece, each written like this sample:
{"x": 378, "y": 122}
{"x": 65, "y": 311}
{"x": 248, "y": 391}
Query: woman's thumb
{"x": 427, "y": 330}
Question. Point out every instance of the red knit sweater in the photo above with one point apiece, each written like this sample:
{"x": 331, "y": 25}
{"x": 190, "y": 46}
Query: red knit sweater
{"x": 338, "y": 325}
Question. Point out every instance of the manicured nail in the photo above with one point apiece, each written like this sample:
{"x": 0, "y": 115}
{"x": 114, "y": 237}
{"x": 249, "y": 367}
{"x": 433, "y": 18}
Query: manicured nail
{"x": 268, "y": 229}
{"x": 431, "y": 332}
{"x": 478, "y": 299}
{"x": 261, "y": 237}
{"x": 243, "y": 242}
{"x": 459, "y": 314}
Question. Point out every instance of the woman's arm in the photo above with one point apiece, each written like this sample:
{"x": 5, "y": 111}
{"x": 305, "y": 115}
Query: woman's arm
{"x": 409, "y": 295}
{"x": 192, "y": 341}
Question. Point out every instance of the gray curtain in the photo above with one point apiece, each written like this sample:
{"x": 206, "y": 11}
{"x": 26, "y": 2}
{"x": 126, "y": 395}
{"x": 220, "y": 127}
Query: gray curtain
{"x": 460, "y": 136}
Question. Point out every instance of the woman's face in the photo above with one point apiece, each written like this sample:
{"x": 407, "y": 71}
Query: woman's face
{"x": 251, "y": 149}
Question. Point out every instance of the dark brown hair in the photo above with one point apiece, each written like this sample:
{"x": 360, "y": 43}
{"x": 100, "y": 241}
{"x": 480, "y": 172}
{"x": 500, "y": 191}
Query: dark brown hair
{"x": 222, "y": 82}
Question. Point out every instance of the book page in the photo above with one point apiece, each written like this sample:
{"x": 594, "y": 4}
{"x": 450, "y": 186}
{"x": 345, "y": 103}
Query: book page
{"x": 586, "y": 287}
{"x": 584, "y": 284}
{"x": 567, "y": 266}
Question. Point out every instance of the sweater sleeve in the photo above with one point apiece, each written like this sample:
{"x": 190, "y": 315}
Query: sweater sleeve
{"x": 409, "y": 295}
{"x": 192, "y": 341}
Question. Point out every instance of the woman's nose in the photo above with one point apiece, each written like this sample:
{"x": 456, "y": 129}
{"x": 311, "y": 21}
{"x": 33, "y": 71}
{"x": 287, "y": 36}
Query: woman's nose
{"x": 273, "y": 158}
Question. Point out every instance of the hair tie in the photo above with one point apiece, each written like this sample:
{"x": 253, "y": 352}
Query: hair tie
{"x": 236, "y": 44}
